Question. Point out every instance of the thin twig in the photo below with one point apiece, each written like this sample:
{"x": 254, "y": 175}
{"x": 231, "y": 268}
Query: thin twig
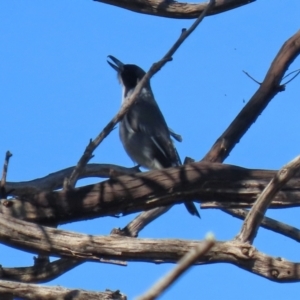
{"x": 268, "y": 223}
{"x": 256, "y": 214}
{"x": 131, "y": 100}
{"x": 252, "y": 77}
{"x": 183, "y": 265}
{"x": 8, "y": 155}
{"x": 298, "y": 72}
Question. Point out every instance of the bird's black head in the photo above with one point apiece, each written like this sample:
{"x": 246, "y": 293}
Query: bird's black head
{"x": 129, "y": 75}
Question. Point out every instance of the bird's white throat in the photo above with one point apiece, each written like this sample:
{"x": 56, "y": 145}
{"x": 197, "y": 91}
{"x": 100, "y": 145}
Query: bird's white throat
{"x": 126, "y": 94}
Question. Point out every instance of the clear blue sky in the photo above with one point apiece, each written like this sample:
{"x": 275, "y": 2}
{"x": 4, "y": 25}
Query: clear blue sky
{"x": 57, "y": 92}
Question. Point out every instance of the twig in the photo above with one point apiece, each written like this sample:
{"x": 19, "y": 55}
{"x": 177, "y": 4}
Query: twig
{"x": 3, "y": 193}
{"x": 298, "y": 72}
{"x": 256, "y": 214}
{"x": 259, "y": 83}
{"x": 131, "y": 100}
{"x": 183, "y": 264}
{"x": 268, "y": 223}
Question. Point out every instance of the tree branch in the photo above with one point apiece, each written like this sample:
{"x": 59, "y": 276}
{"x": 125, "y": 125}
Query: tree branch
{"x": 257, "y": 212}
{"x": 144, "y": 191}
{"x": 270, "y": 224}
{"x": 52, "y": 241}
{"x": 35, "y": 292}
{"x": 259, "y": 101}
{"x": 173, "y": 9}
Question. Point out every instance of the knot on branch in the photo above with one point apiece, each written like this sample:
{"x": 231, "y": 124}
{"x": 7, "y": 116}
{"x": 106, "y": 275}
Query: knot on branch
{"x": 274, "y": 273}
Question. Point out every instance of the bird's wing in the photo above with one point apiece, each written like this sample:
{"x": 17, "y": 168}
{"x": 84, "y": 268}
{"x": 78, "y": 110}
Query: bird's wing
{"x": 147, "y": 119}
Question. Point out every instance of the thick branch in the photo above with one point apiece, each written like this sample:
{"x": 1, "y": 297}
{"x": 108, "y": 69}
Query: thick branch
{"x": 35, "y": 292}
{"x": 51, "y": 241}
{"x": 132, "y": 193}
{"x": 173, "y": 9}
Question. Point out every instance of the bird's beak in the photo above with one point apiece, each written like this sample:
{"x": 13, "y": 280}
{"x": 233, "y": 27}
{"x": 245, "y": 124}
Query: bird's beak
{"x": 118, "y": 66}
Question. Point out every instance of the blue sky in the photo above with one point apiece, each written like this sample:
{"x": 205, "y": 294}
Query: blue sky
{"x": 57, "y": 92}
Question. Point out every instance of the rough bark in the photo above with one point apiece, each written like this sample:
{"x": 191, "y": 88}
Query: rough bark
{"x": 130, "y": 193}
{"x": 35, "y": 292}
{"x": 51, "y": 241}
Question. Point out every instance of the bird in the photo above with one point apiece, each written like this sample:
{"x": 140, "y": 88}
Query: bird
{"x": 143, "y": 130}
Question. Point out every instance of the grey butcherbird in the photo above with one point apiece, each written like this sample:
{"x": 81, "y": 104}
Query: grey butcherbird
{"x": 143, "y": 130}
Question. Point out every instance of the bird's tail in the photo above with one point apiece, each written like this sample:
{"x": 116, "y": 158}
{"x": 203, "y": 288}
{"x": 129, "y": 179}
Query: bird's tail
{"x": 190, "y": 206}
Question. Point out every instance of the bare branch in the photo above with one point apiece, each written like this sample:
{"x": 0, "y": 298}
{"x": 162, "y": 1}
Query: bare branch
{"x": 184, "y": 263}
{"x": 256, "y": 214}
{"x": 259, "y": 101}
{"x": 35, "y": 292}
{"x": 31, "y": 237}
{"x": 174, "y": 9}
{"x": 131, "y": 100}
{"x": 144, "y": 191}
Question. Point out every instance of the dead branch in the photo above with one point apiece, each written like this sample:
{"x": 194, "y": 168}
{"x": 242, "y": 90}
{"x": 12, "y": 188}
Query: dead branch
{"x": 35, "y": 292}
{"x": 176, "y": 10}
{"x": 131, "y": 193}
{"x": 51, "y": 241}
{"x": 257, "y": 212}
